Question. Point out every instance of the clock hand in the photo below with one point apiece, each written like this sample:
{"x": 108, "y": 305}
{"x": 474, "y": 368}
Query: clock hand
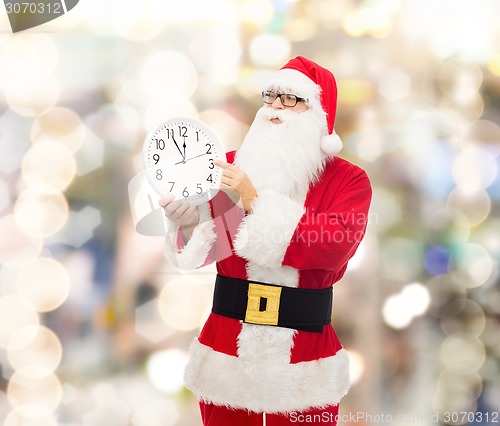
{"x": 184, "y": 146}
{"x": 192, "y": 158}
{"x": 183, "y": 156}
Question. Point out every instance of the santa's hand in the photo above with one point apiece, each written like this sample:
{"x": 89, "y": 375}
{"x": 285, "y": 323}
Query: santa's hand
{"x": 235, "y": 179}
{"x": 183, "y": 214}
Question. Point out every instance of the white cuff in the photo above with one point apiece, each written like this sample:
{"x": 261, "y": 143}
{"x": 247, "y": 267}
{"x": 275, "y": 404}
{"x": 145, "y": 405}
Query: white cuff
{"x": 264, "y": 235}
{"x": 195, "y": 252}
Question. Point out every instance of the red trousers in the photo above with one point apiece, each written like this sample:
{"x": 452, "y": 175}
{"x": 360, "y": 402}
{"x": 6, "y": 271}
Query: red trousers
{"x": 215, "y": 415}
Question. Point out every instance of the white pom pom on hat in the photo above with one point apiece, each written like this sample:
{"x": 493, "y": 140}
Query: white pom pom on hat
{"x": 331, "y": 144}
{"x": 310, "y": 80}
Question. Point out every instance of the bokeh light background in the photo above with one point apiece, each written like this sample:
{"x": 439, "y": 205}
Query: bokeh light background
{"x": 95, "y": 324}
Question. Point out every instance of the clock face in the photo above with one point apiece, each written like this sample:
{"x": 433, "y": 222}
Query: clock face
{"x": 179, "y": 159}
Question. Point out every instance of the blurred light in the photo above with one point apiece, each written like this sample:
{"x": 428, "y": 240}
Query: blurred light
{"x": 27, "y": 55}
{"x": 159, "y": 412}
{"x": 359, "y": 257}
{"x": 494, "y": 65}
{"x": 160, "y": 110}
{"x": 15, "y": 315}
{"x": 472, "y": 381}
{"x": 446, "y": 28}
{"x": 488, "y": 235}
{"x": 388, "y": 208}
{"x": 356, "y": 366}
{"x": 40, "y": 215}
{"x": 330, "y": 12}
{"x": 394, "y": 85}
{"x": 475, "y": 205}
{"x": 165, "y": 370}
{"x": 214, "y": 11}
{"x": 354, "y": 92}
{"x": 81, "y": 225}
{"x": 183, "y": 303}
{"x": 419, "y": 296}
{"x": 14, "y": 140}
{"x": 91, "y": 155}
{"x": 256, "y": 12}
{"x": 4, "y": 196}
{"x": 60, "y": 125}
{"x": 137, "y": 21}
{"x": 401, "y": 258}
{"x": 455, "y": 394}
{"x": 231, "y": 131}
{"x": 400, "y": 309}
{"x": 484, "y": 132}
{"x": 460, "y": 81}
{"x": 109, "y": 410}
{"x": 48, "y": 167}
{"x": 149, "y": 324}
{"x": 396, "y": 313}
{"x": 34, "y": 345}
{"x": 21, "y": 417}
{"x": 70, "y": 394}
{"x": 491, "y": 334}
{"x": 250, "y": 82}
{"x": 270, "y": 50}
{"x": 300, "y": 29}
{"x": 463, "y": 353}
{"x": 492, "y": 392}
{"x": 369, "y": 20}
{"x": 442, "y": 289}
{"x": 44, "y": 283}
{"x": 16, "y": 247}
{"x": 32, "y": 95}
{"x": 463, "y": 315}
{"x": 447, "y": 227}
{"x": 117, "y": 123}
{"x": 462, "y": 116}
{"x": 475, "y": 262}
{"x": 436, "y": 260}
{"x": 168, "y": 73}
{"x": 369, "y": 143}
{"x": 225, "y": 55}
{"x": 34, "y": 391}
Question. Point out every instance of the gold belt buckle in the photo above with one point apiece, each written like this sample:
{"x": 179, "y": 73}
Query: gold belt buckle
{"x": 256, "y": 313}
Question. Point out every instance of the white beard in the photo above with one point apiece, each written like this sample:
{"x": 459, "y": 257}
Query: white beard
{"x": 285, "y": 157}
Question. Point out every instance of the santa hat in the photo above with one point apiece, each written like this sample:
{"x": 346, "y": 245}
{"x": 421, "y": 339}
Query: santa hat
{"x": 315, "y": 83}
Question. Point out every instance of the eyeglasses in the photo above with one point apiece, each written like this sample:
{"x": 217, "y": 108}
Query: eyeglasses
{"x": 286, "y": 99}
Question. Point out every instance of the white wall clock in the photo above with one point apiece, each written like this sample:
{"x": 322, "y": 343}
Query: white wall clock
{"x": 179, "y": 157}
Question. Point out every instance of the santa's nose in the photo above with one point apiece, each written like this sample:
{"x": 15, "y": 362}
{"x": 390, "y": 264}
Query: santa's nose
{"x": 277, "y": 103}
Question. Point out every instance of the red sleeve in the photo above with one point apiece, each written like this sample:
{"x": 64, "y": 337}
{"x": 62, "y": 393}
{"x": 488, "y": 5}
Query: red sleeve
{"x": 327, "y": 240}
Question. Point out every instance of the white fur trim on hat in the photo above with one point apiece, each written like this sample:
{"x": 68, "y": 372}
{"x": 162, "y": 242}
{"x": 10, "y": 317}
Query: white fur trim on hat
{"x": 299, "y": 84}
{"x": 331, "y": 144}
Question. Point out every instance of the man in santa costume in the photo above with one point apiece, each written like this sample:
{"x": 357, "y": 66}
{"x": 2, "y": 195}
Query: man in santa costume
{"x": 268, "y": 353}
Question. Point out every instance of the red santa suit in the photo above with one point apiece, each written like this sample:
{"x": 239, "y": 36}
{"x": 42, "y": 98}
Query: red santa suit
{"x": 300, "y": 238}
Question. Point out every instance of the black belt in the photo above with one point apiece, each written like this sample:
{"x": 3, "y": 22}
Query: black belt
{"x": 269, "y": 304}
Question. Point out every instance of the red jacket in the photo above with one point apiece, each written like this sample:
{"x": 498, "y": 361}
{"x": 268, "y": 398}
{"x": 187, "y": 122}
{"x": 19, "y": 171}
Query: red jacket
{"x": 291, "y": 243}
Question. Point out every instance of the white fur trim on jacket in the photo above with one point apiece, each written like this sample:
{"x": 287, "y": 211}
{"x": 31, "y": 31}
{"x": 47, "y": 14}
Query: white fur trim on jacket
{"x": 265, "y": 234}
{"x": 195, "y": 252}
{"x": 270, "y": 386}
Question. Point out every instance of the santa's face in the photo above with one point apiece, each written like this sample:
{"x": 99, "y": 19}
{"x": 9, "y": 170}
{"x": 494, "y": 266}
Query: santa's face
{"x": 282, "y": 148}
{"x": 300, "y": 106}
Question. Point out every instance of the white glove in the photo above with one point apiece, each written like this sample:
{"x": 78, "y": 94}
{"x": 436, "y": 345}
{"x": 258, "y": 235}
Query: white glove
{"x": 183, "y": 214}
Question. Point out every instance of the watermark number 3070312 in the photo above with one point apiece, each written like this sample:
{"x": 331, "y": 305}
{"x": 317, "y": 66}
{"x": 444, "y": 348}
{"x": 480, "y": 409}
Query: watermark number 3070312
{"x": 28, "y": 14}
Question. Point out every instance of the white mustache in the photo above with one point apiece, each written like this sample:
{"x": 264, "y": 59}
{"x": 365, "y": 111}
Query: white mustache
{"x": 270, "y": 113}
